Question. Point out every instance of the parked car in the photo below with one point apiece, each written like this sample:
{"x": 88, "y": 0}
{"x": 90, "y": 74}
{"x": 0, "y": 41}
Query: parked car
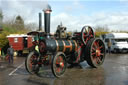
{"x": 119, "y": 41}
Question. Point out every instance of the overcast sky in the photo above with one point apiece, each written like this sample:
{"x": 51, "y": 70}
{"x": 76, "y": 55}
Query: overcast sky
{"x": 74, "y": 14}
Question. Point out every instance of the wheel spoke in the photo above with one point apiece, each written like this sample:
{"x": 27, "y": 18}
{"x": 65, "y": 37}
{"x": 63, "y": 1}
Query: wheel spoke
{"x": 57, "y": 69}
{"x": 60, "y": 58}
{"x": 101, "y": 53}
{"x": 94, "y": 43}
{"x": 90, "y": 31}
{"x": 58, "y": 64}
{"x": 94, "y": 59}
{"x": 97, "y": 44}
{"x": 87, "y": 34}
{"x": 30, "y": 65}
{"x": 97, "y": 52}
{"x": 32, "y": 60}
{"x": 84, "y": 35}
{"x": 93, "y": 48}
{"x": 62, "y": 69}
{"x": 86, "y": 40}
{"x": 100, "y": 47}
{"x": 57, "y": 61}
{"x": 93, "y": 53}
{"x": 91, "y": 35}
{"x": 98, "y": 60}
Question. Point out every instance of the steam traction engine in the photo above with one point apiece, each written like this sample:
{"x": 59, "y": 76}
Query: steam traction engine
{"x": 59, "y": 49}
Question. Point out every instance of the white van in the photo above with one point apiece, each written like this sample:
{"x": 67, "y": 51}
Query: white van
{"x": 119, "y": 41}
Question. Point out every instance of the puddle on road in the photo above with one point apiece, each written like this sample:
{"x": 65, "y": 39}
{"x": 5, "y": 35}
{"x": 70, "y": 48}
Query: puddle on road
{"x": 72, "y": 76}
{"x": 78, "y": 75}
{"x": 112, "y": 72}
{"x": 2, "y": 67}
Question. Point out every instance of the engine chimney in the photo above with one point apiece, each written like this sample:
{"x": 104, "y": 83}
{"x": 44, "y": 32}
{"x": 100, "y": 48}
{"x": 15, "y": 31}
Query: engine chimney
{"x": 40, "y": 21}
{"x": 47, "y": 12}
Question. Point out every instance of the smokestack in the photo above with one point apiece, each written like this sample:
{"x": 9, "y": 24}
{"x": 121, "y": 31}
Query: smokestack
{"x": 47, "y": 12}
{"x": 40, "y": 21}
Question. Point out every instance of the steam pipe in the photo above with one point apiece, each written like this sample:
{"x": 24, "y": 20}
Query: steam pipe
{"x": 47, "y": 12}
{"x": 40, "y": 21}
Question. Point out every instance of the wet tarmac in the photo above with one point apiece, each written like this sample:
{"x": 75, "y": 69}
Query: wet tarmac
{"x": 114, "y": 71}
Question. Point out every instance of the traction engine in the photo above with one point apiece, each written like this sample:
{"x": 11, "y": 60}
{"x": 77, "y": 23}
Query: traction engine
{"x": 61, "y": 49}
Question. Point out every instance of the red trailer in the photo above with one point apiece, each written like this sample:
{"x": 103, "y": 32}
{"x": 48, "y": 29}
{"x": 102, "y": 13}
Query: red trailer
{"x": 20, "y": 42}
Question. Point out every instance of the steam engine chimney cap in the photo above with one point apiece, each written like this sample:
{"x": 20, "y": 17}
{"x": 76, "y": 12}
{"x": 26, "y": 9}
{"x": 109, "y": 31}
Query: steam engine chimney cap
{"x": 47, "y": 9}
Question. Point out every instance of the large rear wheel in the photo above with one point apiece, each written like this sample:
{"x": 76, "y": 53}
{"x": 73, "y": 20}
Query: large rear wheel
{"x": 59, "y": 64}
{"x": 95, "y": 52}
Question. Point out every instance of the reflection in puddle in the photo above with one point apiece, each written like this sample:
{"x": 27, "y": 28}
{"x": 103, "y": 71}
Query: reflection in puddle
{"x": 78, "y": 75}
{"x": 82, "y": 76}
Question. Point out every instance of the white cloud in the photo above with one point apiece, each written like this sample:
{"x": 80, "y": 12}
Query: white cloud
{"x": 114, "y": 21}
{"x": 123, "y": 0}
{"x": 29, "y": 11}
{"x": 74, "y": 6}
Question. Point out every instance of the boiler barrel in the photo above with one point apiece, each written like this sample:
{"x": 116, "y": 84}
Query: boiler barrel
{"x": 61, "y": 45}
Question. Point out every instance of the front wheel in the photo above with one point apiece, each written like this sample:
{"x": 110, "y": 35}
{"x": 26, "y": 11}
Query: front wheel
{"x": 59, "y": 64}
{"x": 31, "y": 63}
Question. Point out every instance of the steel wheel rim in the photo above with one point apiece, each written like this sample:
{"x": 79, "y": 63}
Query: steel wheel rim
{"x": 31, "y": 63}
{"x": 87, "y": 34}
{"x": 59, "y": 65}
{"x": 98, "y": 52}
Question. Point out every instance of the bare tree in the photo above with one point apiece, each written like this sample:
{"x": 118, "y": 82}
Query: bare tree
{"x": 1, "y": 16}
{"x": 102, "y": 28}
{"x": 31, "y": 26}
{"x": 19, "y": 22}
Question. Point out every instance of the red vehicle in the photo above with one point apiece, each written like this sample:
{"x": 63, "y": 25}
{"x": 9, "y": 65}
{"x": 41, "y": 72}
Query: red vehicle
{"x": 20, "y": 42}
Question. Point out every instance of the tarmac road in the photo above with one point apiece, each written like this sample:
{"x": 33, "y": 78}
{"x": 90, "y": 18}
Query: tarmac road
{"x": 114, "y": 71}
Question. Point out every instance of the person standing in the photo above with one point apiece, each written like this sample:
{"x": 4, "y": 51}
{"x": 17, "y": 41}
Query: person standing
{"x": 109, "y": 46}
{"x": 10, "y": 52}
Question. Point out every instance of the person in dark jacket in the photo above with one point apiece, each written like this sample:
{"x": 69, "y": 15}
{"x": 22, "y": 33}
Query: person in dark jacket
{"x": 10, "y": 52}
{"x": 109, "y": 46}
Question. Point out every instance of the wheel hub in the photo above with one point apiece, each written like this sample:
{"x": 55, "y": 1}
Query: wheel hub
{"x": 61, "y": 64}
{"x": 98, "y": 52}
